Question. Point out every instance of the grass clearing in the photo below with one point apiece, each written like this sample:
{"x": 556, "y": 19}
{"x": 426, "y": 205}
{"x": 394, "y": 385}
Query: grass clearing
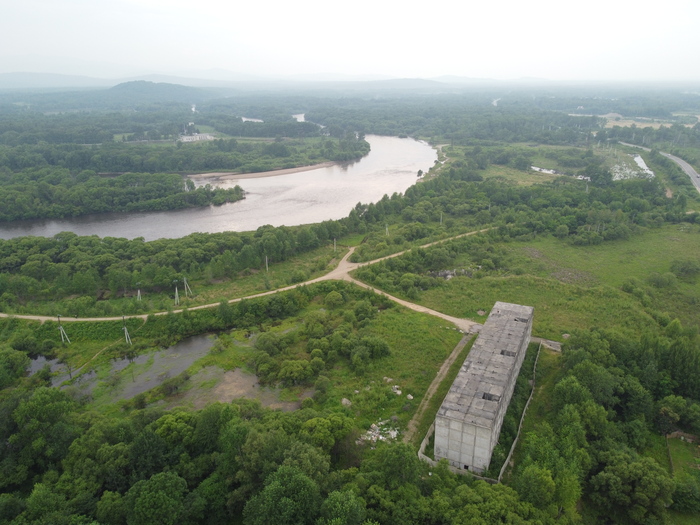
{"x": 658, "y": 451}
{"x": 613, "y": 263}
{"x": 439, "y": 396}
{"x": 559, "y": 307}
{"x": 419, "y": 344}
{"x": 684, "y": 455}
{"x": 520, "y": 177}
{"x": 548, "y": 373}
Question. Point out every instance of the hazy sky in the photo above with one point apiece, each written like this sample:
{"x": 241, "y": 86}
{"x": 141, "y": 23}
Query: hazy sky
{"x": 506, "y": 39}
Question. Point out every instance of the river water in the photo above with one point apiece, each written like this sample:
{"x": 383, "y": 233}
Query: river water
{"x": 299, "y": 198}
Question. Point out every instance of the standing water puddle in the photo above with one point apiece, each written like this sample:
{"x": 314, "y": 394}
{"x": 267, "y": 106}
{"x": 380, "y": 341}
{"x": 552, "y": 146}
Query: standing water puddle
{"x": 150, "y": 370}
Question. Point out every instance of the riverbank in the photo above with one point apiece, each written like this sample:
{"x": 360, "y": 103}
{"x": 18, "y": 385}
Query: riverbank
{"x": 312, "y": 194}
{"x": 229, "y": 175}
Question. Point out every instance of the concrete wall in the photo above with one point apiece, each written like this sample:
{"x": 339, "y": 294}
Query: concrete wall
{"x": 463, "y": 444}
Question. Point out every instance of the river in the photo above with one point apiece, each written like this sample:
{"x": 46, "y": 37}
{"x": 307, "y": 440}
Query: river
{"x": 299, "y": 198}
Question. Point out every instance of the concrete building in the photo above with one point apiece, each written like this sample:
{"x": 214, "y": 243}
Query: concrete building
{"x": 469, "y": 421}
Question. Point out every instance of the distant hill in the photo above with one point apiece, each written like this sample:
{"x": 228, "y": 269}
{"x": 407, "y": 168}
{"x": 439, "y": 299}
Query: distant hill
{"x": 52, "y": 81}
{"x": 127, "y": 95}
{"x": 142, "y": 91}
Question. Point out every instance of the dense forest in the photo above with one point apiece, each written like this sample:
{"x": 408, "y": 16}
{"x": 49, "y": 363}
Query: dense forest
{"x": 594, "y": 446}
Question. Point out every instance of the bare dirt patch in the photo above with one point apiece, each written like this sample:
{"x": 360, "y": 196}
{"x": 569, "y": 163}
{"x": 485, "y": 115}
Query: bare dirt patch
{"x": 574, "y": 277}
{"x": 213, "y": 384}
{"x": 565, "y": 275}
{"x": 532, "y": 252}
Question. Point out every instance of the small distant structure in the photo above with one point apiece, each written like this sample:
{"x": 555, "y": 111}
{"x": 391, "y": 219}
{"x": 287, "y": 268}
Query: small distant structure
{"x": 196, "y": 137}
{"x": 468, "y": 424}
{"x": 189, "y": 134}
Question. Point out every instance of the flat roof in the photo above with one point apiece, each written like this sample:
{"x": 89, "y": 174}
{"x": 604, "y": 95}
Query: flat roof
{"x": 477, "y": 392}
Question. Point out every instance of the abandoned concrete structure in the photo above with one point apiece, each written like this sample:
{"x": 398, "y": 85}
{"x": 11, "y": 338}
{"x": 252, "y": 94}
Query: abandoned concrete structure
{"x": 469, "y": 421}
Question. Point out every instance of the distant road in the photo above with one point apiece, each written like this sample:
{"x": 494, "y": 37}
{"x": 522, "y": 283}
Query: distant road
{"x": 687, "y": 168}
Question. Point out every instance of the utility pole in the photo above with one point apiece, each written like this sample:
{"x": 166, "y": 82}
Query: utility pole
{"x": 64, "y": 335}
{"x": 126, "y": 331}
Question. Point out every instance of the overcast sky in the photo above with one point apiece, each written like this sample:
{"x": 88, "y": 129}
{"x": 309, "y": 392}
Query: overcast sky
{"x": 506, "y": 39}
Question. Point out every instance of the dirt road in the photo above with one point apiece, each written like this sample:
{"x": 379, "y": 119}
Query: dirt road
{"x": 442, "y": 373}
{"x": 339, "y": 273}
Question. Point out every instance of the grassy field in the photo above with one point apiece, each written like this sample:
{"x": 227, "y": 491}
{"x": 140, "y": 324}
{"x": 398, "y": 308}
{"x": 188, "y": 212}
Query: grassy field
{"x": 436, "y": 401}
{"x": 419, "y": 344}
{"x": 657, "y": 450}
{"x": 685, "y": 456}
{"x": 559, "y": 307}
{"x": 578, "y": 287}
{"x": 523, "y": 178}
{"x": 612, "y": 264}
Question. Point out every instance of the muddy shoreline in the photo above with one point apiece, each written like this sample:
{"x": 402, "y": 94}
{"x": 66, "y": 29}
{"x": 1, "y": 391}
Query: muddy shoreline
{"x": 228, "y": 175}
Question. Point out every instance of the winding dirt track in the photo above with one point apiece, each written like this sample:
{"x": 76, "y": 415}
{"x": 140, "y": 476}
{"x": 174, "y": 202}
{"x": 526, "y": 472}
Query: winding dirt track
{"x": 442, "y": 373}
{"x": 339, "y": 273}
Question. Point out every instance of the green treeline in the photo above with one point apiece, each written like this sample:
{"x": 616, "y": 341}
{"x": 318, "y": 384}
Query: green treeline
{"x": 35, "y": 268}
{"x": 666, "y": 137}
{"x": 223, "y": 463}
{"x": 221, "y": 154}
{"x": 54, "y": 193}
{"x": 454, "y": 119}
{"x": 25, "y": 127}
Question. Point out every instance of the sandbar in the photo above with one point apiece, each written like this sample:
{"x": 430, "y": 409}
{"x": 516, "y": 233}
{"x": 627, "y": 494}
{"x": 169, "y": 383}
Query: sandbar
{"x": 227, "y": 175}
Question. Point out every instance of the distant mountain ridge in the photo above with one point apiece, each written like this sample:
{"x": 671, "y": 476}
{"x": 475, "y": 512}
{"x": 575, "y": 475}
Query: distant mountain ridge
{"x": 30, "y": 80}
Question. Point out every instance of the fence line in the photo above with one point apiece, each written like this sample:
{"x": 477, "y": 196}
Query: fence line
{"x": 426, "y": 439}
{"x": 522, "y": 418}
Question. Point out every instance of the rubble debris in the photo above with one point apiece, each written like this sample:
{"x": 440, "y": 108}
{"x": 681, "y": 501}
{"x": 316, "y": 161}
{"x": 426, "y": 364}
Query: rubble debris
{"x": 381, "y": 431}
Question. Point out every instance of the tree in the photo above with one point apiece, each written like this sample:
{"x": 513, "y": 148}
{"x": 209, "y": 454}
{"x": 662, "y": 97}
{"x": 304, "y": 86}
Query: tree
{"x": 289, "y": 496}
{"x": 43, "y": 504}
{"x": 333, "y": 299}
{"x": 396, "y": 465}
{"x": 342, "y": 508}
{"x": 535, "y": 485}
{"x": 561, "y": 231}
{"x": 13, "y": 365}
{"x": 631, "y": 487}
{"x": 43, "y": 434}
{"x": 158, "y": 500}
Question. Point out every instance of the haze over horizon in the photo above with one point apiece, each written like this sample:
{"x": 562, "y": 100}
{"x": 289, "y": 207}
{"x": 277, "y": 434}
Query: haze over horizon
{"x": 506, "y": 40}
